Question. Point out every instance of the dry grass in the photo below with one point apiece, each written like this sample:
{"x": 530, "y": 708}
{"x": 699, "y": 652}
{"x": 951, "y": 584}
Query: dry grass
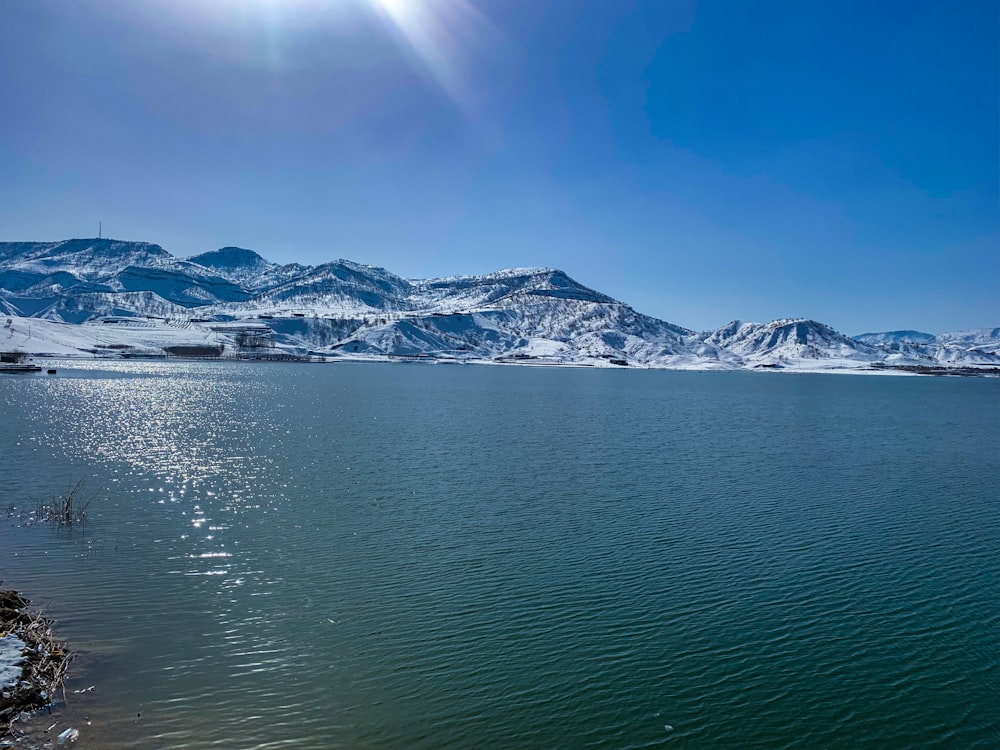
{"x": 47, "y": 660}
{"x": 66, "y": 509}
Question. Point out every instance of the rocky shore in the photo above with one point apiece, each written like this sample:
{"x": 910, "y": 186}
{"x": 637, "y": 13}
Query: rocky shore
{"x": 33, "y": 663}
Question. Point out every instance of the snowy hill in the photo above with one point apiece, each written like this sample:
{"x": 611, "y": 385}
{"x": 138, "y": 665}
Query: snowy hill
{"x": 234, "y": 263}
{"x": 24, "y": 265}
{"x": 107, "y": 297}
{"x": 977, "y": 337}
{"x": 957, "y": 348}
{"x": 341, "y": 285}
{"x": 40, "y": 279}
{"x": 247, "y": 268}
{"x": 494, "y": 288}
{"x": 896, "y": 337}
{"x": 788, "y": 341}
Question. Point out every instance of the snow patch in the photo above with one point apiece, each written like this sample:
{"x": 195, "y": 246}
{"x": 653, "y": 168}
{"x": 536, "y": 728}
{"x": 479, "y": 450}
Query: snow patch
{"x": 11, "y": 660}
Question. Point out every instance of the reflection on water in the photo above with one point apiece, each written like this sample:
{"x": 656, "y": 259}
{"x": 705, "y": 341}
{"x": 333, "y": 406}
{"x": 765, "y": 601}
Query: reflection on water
{"x": 424, "y": 556}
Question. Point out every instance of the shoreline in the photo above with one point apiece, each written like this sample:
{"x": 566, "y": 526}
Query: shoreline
{"x": 808, "y": 367}
{"x": 43, "y": 661}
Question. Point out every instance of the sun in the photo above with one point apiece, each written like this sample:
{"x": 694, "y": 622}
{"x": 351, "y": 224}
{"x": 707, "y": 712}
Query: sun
{"x": 394, "y": 7}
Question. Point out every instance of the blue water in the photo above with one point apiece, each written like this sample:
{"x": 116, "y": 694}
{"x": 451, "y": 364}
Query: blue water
{"x": 419, "y": 556}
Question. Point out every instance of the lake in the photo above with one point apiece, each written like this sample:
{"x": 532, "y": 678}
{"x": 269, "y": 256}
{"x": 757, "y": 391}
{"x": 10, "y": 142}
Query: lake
{"x": 431, "y": 556}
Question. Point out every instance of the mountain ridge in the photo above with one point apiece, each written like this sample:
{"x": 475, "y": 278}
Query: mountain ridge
{"x": 343, "y": 308}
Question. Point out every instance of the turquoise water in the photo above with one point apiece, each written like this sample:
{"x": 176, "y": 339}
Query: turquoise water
{"x": 416, "y": 556}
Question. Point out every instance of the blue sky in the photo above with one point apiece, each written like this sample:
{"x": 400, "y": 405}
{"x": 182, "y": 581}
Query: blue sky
{"x": 702, "y": 161}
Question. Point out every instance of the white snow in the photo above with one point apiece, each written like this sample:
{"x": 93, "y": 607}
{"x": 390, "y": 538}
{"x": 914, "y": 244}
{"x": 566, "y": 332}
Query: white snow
{"x": 11, "y": 660}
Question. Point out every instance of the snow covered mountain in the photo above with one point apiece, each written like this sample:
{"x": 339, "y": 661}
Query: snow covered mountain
{"x": 106, "y": 296}
{"x": 896, "y": 337}
{"x": 247, "y": 268}
{"x": 47, "y": 279}
{"x": 958, "y": 348}
{"x": 787, "y": 340}
{"x": 976, "y": 337}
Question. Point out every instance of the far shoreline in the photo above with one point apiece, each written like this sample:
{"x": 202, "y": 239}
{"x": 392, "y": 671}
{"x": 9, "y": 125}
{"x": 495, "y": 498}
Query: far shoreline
{"x": 803, "y": 367}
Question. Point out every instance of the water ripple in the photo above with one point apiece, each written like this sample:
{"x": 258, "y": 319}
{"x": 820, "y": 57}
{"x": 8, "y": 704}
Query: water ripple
{"x": 407, "y": 557}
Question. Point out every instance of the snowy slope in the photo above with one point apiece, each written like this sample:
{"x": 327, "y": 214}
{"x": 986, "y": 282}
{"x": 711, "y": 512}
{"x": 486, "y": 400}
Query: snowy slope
{"x": 469, "y": 292}
{"x": 26, "y": 264}
{"x": 976, "y": 337}
{"x": 47, "y": 337}
{"x": 341, "y": 284}
{"x": 534, "y": 328}
{"x": 79, "y": 308}
{"x": 969, "y": 347}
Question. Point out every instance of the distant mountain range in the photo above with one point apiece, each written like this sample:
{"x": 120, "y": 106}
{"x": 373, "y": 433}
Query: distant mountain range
{"x": 100, "y": 296}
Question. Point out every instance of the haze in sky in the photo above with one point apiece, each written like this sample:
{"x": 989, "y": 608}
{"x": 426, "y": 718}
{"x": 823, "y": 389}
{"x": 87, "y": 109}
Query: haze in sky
{"x": 698, "y": 160}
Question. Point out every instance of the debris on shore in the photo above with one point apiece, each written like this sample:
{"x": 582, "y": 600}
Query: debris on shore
{"x": 33, "y": 663}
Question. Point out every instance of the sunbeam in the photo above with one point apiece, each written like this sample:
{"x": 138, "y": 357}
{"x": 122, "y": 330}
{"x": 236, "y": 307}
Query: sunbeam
{"x": 442, "y": 35}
